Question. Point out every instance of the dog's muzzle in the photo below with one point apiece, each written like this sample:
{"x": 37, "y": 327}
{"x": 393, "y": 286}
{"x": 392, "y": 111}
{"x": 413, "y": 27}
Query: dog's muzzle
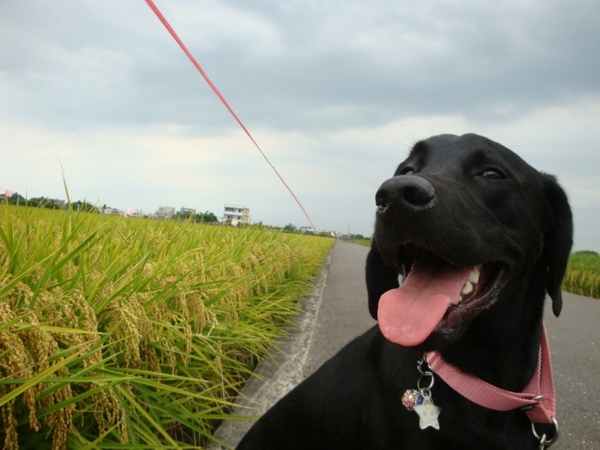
{"x": 404, "y": 194}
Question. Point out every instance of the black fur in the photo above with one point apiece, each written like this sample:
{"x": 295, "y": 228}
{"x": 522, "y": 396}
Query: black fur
{"x": 467, "y": 200}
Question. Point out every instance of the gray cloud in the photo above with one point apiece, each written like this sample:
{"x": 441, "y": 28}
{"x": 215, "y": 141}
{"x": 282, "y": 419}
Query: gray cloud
{"x": 335, "y": 92}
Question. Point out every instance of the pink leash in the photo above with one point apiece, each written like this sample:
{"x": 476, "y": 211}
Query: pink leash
{"x": 538, "y": 398}
{"x": 170, "y": 29}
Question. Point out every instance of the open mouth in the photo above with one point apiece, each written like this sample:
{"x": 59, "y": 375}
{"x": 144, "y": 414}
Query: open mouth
{"x": 437, "y": 295}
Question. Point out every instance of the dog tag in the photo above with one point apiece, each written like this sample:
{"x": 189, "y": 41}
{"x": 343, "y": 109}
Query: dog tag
{"x": 410, "y": 399}
{"x": 428, "y": 414}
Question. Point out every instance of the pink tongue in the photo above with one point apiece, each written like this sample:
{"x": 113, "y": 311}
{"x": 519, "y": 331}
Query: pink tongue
{"x": 409, "y": 314}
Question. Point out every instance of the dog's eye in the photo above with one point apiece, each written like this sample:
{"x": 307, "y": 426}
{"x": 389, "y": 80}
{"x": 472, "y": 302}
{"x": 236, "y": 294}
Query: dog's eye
{"x": 492, "y": 174}
{"x": 406, "y": 171}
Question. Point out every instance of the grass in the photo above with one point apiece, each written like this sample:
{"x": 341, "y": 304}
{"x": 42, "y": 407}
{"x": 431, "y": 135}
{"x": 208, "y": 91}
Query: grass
{"x": 583, "y": 274}
{"x": 365, "y": 242}
{"x": 130, "y": 333}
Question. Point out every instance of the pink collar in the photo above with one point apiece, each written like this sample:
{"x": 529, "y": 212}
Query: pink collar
{"x": 538, "y": 397}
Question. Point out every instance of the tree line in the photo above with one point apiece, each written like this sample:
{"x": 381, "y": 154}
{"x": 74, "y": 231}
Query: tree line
{"x": 82, "y": 205}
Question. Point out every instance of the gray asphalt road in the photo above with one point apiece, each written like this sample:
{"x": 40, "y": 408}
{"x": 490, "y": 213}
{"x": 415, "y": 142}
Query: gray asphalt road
{"x": 336, "y": 312}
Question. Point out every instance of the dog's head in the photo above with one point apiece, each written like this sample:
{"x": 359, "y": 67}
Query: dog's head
{"x": 468, "y": 224}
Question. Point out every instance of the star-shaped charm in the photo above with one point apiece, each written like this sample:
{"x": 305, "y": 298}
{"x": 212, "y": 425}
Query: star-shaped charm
{"x": 428, "y": 413}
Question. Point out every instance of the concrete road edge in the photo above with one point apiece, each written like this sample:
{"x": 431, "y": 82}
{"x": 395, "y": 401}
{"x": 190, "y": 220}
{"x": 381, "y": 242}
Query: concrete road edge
{"x": 279, "y": 372}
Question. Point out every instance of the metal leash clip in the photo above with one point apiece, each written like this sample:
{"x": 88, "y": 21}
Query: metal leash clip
{"x": 546, "y": 442}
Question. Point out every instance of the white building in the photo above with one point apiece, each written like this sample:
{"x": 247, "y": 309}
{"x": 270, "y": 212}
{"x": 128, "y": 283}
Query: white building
{"x": 236, "y": 212}
{"x": 164, "y": 212}
{"x": 111, "y": 211}
{"x": 190, "y": 211}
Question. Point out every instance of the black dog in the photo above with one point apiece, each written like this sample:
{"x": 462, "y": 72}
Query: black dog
{"x": 480, "y": 237}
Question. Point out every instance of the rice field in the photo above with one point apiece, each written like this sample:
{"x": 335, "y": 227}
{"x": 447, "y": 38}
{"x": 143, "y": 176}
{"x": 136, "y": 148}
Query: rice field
{"x": 131, "y": 333}
{"x": 583, "y": 274}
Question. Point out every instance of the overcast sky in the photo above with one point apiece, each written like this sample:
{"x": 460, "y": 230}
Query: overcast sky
{"x": 334, "y": 92}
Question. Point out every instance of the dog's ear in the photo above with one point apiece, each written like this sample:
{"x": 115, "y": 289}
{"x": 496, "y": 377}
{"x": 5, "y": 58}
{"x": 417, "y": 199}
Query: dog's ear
{"x": 558, "y": 240}
{"x": 380, "y": 278}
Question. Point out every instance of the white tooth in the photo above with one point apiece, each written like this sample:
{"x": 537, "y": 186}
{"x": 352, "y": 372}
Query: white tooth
{"x": 467, "y": 288}
{"x": 474, "y": 274}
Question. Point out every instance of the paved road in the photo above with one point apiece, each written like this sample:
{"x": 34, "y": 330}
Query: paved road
{"x": 336, "y": 312}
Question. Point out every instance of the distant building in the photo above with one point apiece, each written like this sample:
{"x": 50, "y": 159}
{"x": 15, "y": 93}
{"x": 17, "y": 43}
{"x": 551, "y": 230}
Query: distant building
{"x": 306, "y": 230}
{"x": 111, "y": 211}
{"x": 62, "y": 204}
{"x": 164, "y": 212}
{"x": 186, "y": 211}
{"x": 236, "y": 212}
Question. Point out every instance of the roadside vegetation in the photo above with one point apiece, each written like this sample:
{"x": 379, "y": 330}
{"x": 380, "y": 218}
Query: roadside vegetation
{"x": 583, "y": 274}
{"x": 362, "y": 241}
{"x": 132, "y": 333}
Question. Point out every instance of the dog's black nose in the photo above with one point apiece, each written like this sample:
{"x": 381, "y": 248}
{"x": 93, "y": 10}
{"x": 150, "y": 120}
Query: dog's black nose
{"x": 404, "y": 193}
